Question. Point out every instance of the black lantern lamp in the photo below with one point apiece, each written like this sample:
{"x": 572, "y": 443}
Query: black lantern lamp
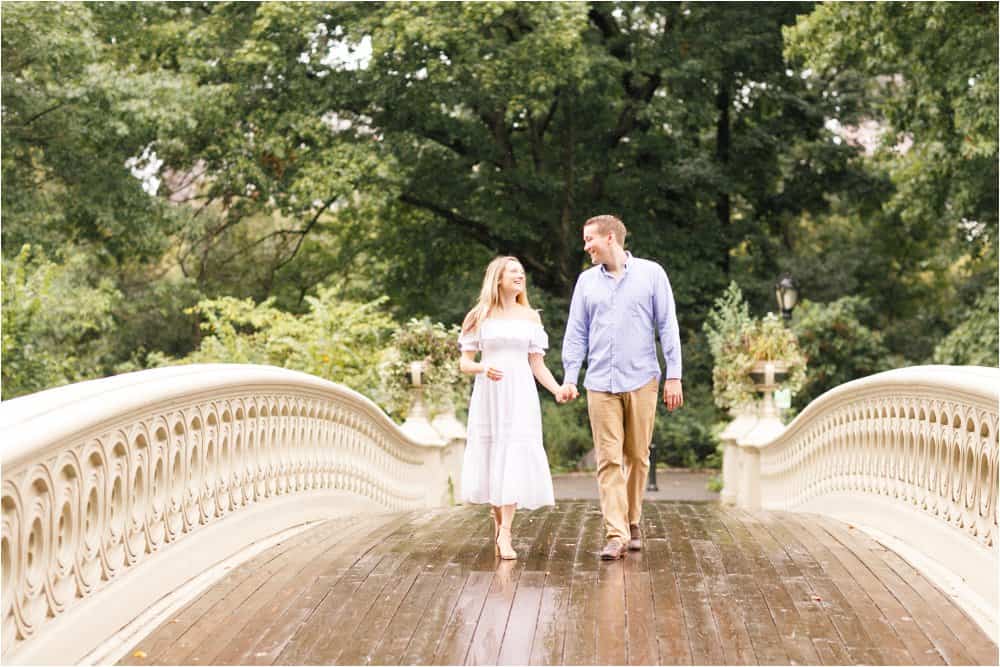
{"x": 787, "y": 293}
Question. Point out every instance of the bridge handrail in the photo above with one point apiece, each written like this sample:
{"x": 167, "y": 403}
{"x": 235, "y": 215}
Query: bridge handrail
{"x": 100, "y": 476}
{"x": 909, "y": 453}
{"x": 885, "y": 434}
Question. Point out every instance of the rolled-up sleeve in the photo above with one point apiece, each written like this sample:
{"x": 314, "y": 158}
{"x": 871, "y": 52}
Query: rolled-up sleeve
{"x": 574, "y": 349}
{"x": 665, "y": 313}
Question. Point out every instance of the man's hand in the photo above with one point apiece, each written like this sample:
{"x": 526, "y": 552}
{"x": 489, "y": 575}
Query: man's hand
{"x": 673, "y": 395}
{"x": 566, "y": 393}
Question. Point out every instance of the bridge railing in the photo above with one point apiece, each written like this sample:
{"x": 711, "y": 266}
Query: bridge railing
{"x": 117, "y": 491}
{"x": 910, "y": 454}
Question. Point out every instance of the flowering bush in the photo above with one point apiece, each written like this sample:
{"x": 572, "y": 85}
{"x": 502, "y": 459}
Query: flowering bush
{"x": 737, "y": 341}
{"x": 437, "y": 346}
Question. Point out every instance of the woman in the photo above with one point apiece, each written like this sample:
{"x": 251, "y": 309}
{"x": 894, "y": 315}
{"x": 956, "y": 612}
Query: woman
{"x": 505, "y": 464}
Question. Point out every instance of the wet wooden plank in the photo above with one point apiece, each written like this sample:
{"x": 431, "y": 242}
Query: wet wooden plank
{"x": 733, "y": 634}
{"x": 428, "y": 542}
{"x": 702, "y": 630}
{"x": 812, "y": 561}
{"x": 857, "y": 563}
{"x": 711, "y": 586}
{"x": 523, "y": 619}
{"x": 162, "y": 639}
{"x": 610, "y": 614}
{"x": 592, "y": 539}
{"x": 458, "y": 631}
{"x": 580, "y": 645}
{"x": 335, "y": 635}
{"x": 831, "y": 553}
{"x": 640, "y": 631}
{"x": 972, "y": 640}
{"x": 787, "y": 621}
{"x": 209, "y": 615}
{"x": 922, "y": 603}
{"x": 813, "y": 613}
{"x": 550, "y": 631}
{"x": 426, "y": 637}
{"x": 339, "y": 587}
{"x": 537, "y": 553}
{"x": 669, "y": 624}
{"x": 261, "y": 638}
{"x": 433, "y": 581}
{"x": 369, "y": 629}
{"x": 492, "y": 623}
{"x": 746, "y": 568}
{"x": 563, "y": 556}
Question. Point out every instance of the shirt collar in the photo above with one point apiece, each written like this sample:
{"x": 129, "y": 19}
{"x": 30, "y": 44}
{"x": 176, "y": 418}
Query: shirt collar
{"x": 628, "y": 259}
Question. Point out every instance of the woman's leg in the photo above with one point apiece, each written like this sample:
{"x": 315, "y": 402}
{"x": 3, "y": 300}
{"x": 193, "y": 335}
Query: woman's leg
{"x": 504, "y": 538}
{"x": 495, "y": 512}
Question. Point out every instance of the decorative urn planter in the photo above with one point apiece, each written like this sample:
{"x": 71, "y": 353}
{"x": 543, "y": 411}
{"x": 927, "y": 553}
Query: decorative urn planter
{"x": 766, "y": 376}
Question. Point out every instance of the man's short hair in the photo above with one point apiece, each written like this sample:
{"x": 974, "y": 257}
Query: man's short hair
{"x": 609, "y": 223}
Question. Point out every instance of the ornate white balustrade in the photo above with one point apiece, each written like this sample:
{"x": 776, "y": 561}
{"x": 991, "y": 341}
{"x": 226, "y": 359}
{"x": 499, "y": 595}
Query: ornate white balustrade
{"x": 117, "y": 491}
{"x": 910, "y": 454}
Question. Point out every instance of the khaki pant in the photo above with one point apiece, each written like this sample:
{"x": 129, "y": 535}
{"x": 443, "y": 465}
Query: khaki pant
{"x": 622, "y": 425}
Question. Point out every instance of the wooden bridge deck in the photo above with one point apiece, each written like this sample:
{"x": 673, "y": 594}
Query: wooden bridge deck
{"x": 713, "y": 586}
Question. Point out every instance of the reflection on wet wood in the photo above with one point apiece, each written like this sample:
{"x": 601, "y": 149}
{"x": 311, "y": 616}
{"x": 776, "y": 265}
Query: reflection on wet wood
{"x": 712, "y": 586}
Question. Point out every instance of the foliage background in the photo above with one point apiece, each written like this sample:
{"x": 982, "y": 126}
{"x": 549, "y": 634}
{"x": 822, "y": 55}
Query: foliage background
{"x": 290, "y": 182}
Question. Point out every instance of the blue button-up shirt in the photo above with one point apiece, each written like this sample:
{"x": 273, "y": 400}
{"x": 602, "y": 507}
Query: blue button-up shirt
{"x": 612, "y": 323}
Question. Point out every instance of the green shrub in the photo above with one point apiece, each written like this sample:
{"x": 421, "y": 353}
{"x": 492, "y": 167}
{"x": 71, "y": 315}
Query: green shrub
{"x": 837, "y": 345}
{"x": 336, "y": 339}
{"x": 975, "y": 341}
{"x": 57, "y": 328}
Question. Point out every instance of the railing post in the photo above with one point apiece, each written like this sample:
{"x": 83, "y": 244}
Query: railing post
{"x": 749, "y": 490}
{"x": 745, "y": 420}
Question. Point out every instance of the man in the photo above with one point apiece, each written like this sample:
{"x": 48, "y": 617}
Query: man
{"x": 617, "y": 308}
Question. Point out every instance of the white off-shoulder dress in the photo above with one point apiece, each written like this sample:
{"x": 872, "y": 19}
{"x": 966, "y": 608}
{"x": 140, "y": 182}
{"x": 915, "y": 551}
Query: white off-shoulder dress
{"x": 505, "y": 462}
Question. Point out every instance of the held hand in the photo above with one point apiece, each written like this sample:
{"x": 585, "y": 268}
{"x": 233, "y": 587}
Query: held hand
{"x": 564, "y": 394}
{"x": 673, "y": 395}
{"x": 569, "y": 392}
{"x": 492, "y": 373}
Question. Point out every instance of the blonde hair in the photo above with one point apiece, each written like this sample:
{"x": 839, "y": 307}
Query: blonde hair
{"x": 609, "y": 223}
{"x": 489, "y": 294}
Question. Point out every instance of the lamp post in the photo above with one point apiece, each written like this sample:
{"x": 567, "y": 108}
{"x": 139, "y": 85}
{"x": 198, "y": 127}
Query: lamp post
{"x": 651, "y": 478}
{"x": 786, "y": 291}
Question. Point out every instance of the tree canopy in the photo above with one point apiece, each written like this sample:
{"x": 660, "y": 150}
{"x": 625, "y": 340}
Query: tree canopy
{"x": 276, "y": 156}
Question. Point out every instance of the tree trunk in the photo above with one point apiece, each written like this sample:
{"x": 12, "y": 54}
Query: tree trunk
{"x": 723, "y": 102}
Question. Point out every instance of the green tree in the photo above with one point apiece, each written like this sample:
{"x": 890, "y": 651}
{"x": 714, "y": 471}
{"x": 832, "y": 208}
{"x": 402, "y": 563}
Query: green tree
{"x": 976, "y": 341}
{"x": 930, "y": 73}
{"x": 74, "y": 126}
{"x": 837, "y": 344}
{"x": 56, "y": 326}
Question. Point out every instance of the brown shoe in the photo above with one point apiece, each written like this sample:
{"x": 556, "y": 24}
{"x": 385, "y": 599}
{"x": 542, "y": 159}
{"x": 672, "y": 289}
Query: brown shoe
{"x": 613, "y": 550}
{"x": 635, "y": 538}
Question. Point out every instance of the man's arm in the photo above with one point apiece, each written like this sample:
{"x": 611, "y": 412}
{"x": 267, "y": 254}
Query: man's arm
{"x": 665, "y": 312}
{"x": 575, "y": 340}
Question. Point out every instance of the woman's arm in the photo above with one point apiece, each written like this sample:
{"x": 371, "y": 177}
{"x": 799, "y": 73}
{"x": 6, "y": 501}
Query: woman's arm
{"x": 468, "y": 364}
{"x": 542, "y": 373}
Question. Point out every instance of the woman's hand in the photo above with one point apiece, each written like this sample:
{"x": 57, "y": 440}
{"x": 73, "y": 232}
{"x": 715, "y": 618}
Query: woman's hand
{"x": 492, "y": 373}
